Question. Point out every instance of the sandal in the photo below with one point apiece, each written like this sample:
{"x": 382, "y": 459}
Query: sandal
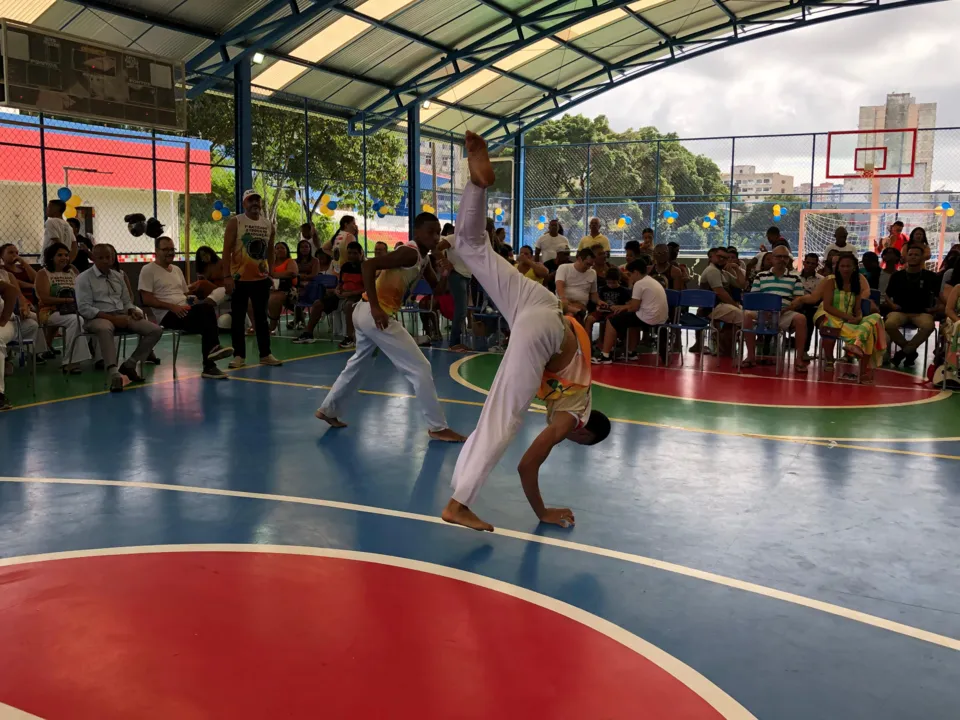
{"x": 747, "y": 363}
{"x": 800, "y": 368}
{"x": 460, "y": 348}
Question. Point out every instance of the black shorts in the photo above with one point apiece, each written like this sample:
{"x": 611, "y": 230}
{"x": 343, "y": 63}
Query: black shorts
{"x": 626, "y": 320}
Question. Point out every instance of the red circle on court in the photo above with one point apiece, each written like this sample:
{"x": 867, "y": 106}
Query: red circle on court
{"x": 252, "y": 635}
{"x": 892, "y": 388}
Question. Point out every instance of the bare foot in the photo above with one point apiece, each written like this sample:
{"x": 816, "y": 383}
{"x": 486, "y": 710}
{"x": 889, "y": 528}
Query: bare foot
{"x": 459, "y": 514}
{"x": 481, "y": 169}
{"x": 331, "y": 421}
{"x": 447, "y": 435}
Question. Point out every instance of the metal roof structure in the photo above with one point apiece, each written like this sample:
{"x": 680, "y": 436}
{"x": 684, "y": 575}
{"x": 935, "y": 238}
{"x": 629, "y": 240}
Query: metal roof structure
{"x": 497, "y": 67}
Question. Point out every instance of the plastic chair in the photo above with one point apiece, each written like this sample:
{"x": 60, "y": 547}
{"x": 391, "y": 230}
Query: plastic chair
{"x": 410, "y": 306}
{"x": 20, "y": 344}
{"x": 175, "y": 334}
{"x": 314, "y": 291}
{"x": 706, "y": 299}
{"x": 480, "y": 312}
{"x": 768, "y": 307}
{"x": 673, "y": 315}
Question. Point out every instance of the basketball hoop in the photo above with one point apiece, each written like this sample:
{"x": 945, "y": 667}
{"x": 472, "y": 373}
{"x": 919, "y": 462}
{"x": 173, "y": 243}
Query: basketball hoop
{"x": 867, "y": 173}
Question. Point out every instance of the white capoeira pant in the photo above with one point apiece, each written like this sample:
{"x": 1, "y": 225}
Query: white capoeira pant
{"x": 398, "y": 345}
{"x": 535, "y": 319}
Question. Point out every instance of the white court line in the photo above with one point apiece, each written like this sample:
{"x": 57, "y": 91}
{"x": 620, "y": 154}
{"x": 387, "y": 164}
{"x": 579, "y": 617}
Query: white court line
{"x": 11, "y": 713}
{"x": 713, "y": 695}
{"x": 800, "y": 600}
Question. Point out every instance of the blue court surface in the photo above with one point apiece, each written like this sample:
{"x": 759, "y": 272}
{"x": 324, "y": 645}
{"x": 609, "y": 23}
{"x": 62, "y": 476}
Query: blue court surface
{"x": 764, "y": 578}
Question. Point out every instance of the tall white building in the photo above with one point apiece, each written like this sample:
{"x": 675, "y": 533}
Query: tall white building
{"x": 753, "y": 186}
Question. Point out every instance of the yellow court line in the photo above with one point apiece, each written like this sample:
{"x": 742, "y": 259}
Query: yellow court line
{"x": 734, "y": 583}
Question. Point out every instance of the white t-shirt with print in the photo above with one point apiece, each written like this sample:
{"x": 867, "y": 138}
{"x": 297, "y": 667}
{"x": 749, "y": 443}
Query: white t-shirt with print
{"x": 168, "y": 285}
{"x": 654, "y": 307}
{"x": 549, "y": 246}
{"x": 577, "y": 285}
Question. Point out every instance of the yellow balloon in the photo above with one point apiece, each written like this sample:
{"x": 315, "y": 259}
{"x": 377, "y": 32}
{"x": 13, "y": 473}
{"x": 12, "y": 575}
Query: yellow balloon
{"x": 712, "y": 215}
{"x": 74, "y": 201}
{"x": 776, "y": 209}
{"x": 540, "y": 226}
{"x": 428, "y": 208}
{"x": 706, "y": 224}
{"x": 217, "y": 215}
{"x": 70, "y": 212}
{"x": 621, "y": 223}
{"x": 324, "y": 199}
{"x": 951, "y": 212}
{"x": 326, "y": 211}
{"x": 669, "y": 221}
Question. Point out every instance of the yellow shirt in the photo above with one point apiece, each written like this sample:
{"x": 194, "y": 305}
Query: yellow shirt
{"x": 533, "y": 276}
{"x": 589, "y": 241}
{"x": 393, "y": 284}
{"x": 249, "y": 258}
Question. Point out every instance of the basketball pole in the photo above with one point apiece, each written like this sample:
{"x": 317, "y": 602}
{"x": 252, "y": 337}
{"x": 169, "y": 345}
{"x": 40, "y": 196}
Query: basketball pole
{"x": 874, "y": 205}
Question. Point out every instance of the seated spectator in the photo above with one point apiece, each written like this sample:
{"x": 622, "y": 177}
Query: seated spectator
{"x": 841, "y": 311}
{"x": 58, "y": 303}
{"x": 350, "y": 290}
{"x": 829, "y": 263}
{"x": 21, "y": 271}
{"x": 380, "y": 248}
{"x": 773, "y": 239}
{"x": 612, "y": 292}
{"x": 594, "y": 236}
{"x": 913, "y": 298}
{"x": 530, "y": 268}
{"x": 545, "y": 249}
{"x": 665, "y": 273}
{"x": 84, "y": 246}
{"x": 779, "y": 280}
{"x": 632, "y": 251}
{"x": 870, "y": 269}
{"x": 646, "y": 308}
{"x": 506, "y": 252}
{"x": 948, "y": 276}
{"x": 458, "y": 278}
{"x": 501, "y": 234}
{"x": 307, "y": 269}
{"x": 766, "y": 264}
{"x": 164, "y": 290}
{"x": 9, "y": 294}
{"x": 104, "y": 303}
{"x": 577, "y": 285}
{"x": 286, "y": 275}
{"x": 600, "y": 264}
{"x": 646, "y": 242}
{"x": 918, "y": 236}
{"x": 399, "y": 244}
{"x": 951, "y": 334}
{"x": 891, "y": 264}
{"x": 734, "y": 254}
{"x": 209, "y": 283}
{"x": 562, "y": 258}
{"x": 325, "y": 305}
{"x": 718, "y": 279}
{"x": 674, "y": 248}
{"x": 25, "y": 322}
{"x": 839, "y": 242}
{"x": 895, "y": 239}
{"x": 810, "y": 278}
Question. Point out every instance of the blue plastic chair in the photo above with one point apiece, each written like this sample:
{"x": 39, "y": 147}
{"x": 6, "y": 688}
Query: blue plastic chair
{"x": 673, "y": 316}
{"x": 20, "y": 344}
{"x": 693, "y": 299}
{"x": 410, "y": 306}
{"x": 771, "y": 306}
{"x": 314, "y": 291}
{"x": 479, "y": 312}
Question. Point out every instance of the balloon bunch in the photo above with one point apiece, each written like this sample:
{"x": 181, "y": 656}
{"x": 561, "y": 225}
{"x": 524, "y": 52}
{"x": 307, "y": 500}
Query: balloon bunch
{"x": 327, "y": 205}
{"x": 541, "y": 222}
{"x": 382, "y": 209}
{"x": 709, "y": 220}
{"x": 498, "y": 215}
{"x": 220, "y": 211}
{"x": 623, "y": 221}
{"x": 72, "y": 201}
{"x": 945, "y": 209}
{"x": 778, "y": 212}
{"x": 429, "y": 209}
{"x": 670, "y": 216}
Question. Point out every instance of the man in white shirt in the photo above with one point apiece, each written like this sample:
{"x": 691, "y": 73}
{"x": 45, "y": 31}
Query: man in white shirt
{"x": 839, "y": 243}
{"x": 164, "y": 289}
{"x": 647, "y": 308}
{"x": 577, "y": 284}
{"x": 56, "y": 229}
{"x": 595, "y": 237}
{"x": 547, "y": 245}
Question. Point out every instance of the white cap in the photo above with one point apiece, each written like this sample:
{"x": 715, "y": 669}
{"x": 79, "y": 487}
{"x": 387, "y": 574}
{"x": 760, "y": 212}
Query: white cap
{"x": 249, "y": 193}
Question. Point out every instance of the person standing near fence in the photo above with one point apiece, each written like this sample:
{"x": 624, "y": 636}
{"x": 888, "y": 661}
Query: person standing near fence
{"x": 247, "y": 261}
{"x": 56, "y": 229}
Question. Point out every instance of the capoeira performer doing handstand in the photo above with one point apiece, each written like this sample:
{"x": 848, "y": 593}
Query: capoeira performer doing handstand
{"x": 548, "y": 356}
{"x": 375, "y": 328}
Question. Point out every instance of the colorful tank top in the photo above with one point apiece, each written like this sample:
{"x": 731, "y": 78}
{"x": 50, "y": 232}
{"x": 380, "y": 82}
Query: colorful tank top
{"x": 249, "y": 259}
{"x": 393, "y": 285}
{"x": 568, "y": 389}
{"x": 59, "y": 282}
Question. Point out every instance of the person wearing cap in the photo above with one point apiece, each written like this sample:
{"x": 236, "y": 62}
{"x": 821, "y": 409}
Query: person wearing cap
{"x": 247, "y": 262}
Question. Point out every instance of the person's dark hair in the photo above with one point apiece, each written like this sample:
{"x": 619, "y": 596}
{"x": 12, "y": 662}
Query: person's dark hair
{"x": 780, "y": 241}
{"x": 424, "y": 218}
{"x": 305, "y": 228}
{"x": 584, "y": 253}
{"x": 612, "y": 273}
{"x": 199, "y": 264}
{"x": 674, "y": 248}
{"x": 913, "y": 236}
{"x": 300, "y": 255}
{"x": 599, "y": 425}
{"x": 711, "y": 252}
{"x": 812, "y": 255}
{"x": 59, "y": 204}
{"x": 854, "y": 276}
{"x": 639, "y": 265}
{"x": 506, "y": 252}
{"x": 346, "y": 220}
{"x": 355, "y": 246}
{"x": 74, "y": 223}
{"x": 285, "y": 247}
{"x": 448, "y": 229}
{"x": 897, "y": 222}
{"x": 893, "y": 253}
{"x": 4, "y": 247}
{"x": 871, "y": 256}
{"x": 647, "y": 230}
{"x": 49, "y": 254}
{"x": 381, "y": 242}
{"x": 733, "y": 250}
{"x": 773, "y": 230}
{"x": 914, "y": 246}
{"x": 632, "y": 245}
{"x": 156, "y": 241}
{"x": 559, "y": 228}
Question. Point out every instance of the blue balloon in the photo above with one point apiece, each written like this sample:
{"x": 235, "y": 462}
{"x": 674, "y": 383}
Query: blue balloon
{"x": 218, "y": 205}
{"x": 64, "y": 193}
{"x": 225, "y": 212}
{"x": 628, "y": 219}
{"x": 332, "y": 204}
{"x": 713, "y": 222}
{"x": 783, "y": 210}
{"x": 945, "y": 206}
{"x": 377, "y": 205}
{"x": 542, "y": 218}
{"x": 666, "y": 214}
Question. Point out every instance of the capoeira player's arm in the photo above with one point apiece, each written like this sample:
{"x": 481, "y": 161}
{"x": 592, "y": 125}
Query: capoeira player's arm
{"x": 437, "y": 284}
{"x": 563, "y": 424}
{"x": 399, "y": 258}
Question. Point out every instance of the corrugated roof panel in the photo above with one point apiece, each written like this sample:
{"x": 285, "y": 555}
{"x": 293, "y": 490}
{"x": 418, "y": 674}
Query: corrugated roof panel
{"x": 391, "y": 67}
{"x": 448, "y": 22}
{"x": 215, "y": 14}
{"x": 355, "y": 95}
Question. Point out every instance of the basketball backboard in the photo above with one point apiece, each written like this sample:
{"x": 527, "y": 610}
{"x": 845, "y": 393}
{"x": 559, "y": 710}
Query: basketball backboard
{"x": 871, "y": 153}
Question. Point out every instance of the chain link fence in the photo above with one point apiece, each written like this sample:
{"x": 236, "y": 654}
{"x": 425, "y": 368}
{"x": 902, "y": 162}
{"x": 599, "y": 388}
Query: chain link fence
{"x": 702, "y": 193}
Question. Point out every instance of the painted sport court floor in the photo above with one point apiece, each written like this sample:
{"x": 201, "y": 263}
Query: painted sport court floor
{"x": 745, "y": 547}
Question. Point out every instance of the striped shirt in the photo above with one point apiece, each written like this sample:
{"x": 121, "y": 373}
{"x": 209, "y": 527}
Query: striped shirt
{"x": 788, "y": 286}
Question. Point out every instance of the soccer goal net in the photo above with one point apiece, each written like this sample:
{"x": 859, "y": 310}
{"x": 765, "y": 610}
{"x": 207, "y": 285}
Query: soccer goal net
{"x": 866, "y": 228}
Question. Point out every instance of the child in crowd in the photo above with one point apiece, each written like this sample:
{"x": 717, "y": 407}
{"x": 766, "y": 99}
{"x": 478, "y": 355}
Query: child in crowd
{"x": 612, "y": 292}
{"x": 350, "y": 289}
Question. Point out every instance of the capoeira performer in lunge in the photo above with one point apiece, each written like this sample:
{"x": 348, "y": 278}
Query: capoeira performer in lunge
{"x": 375, "y": 328}
{"x": 548, "y": 356}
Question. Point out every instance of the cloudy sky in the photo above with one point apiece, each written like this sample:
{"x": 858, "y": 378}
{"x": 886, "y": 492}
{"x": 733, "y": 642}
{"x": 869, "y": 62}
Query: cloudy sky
{"x": 812, "y": 79}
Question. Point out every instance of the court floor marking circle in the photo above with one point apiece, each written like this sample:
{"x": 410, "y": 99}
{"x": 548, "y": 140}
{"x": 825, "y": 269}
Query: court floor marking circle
{"x": 812, "y": 439}
{"x": 743, "y": 585}
{"x": 697, "y": 683}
